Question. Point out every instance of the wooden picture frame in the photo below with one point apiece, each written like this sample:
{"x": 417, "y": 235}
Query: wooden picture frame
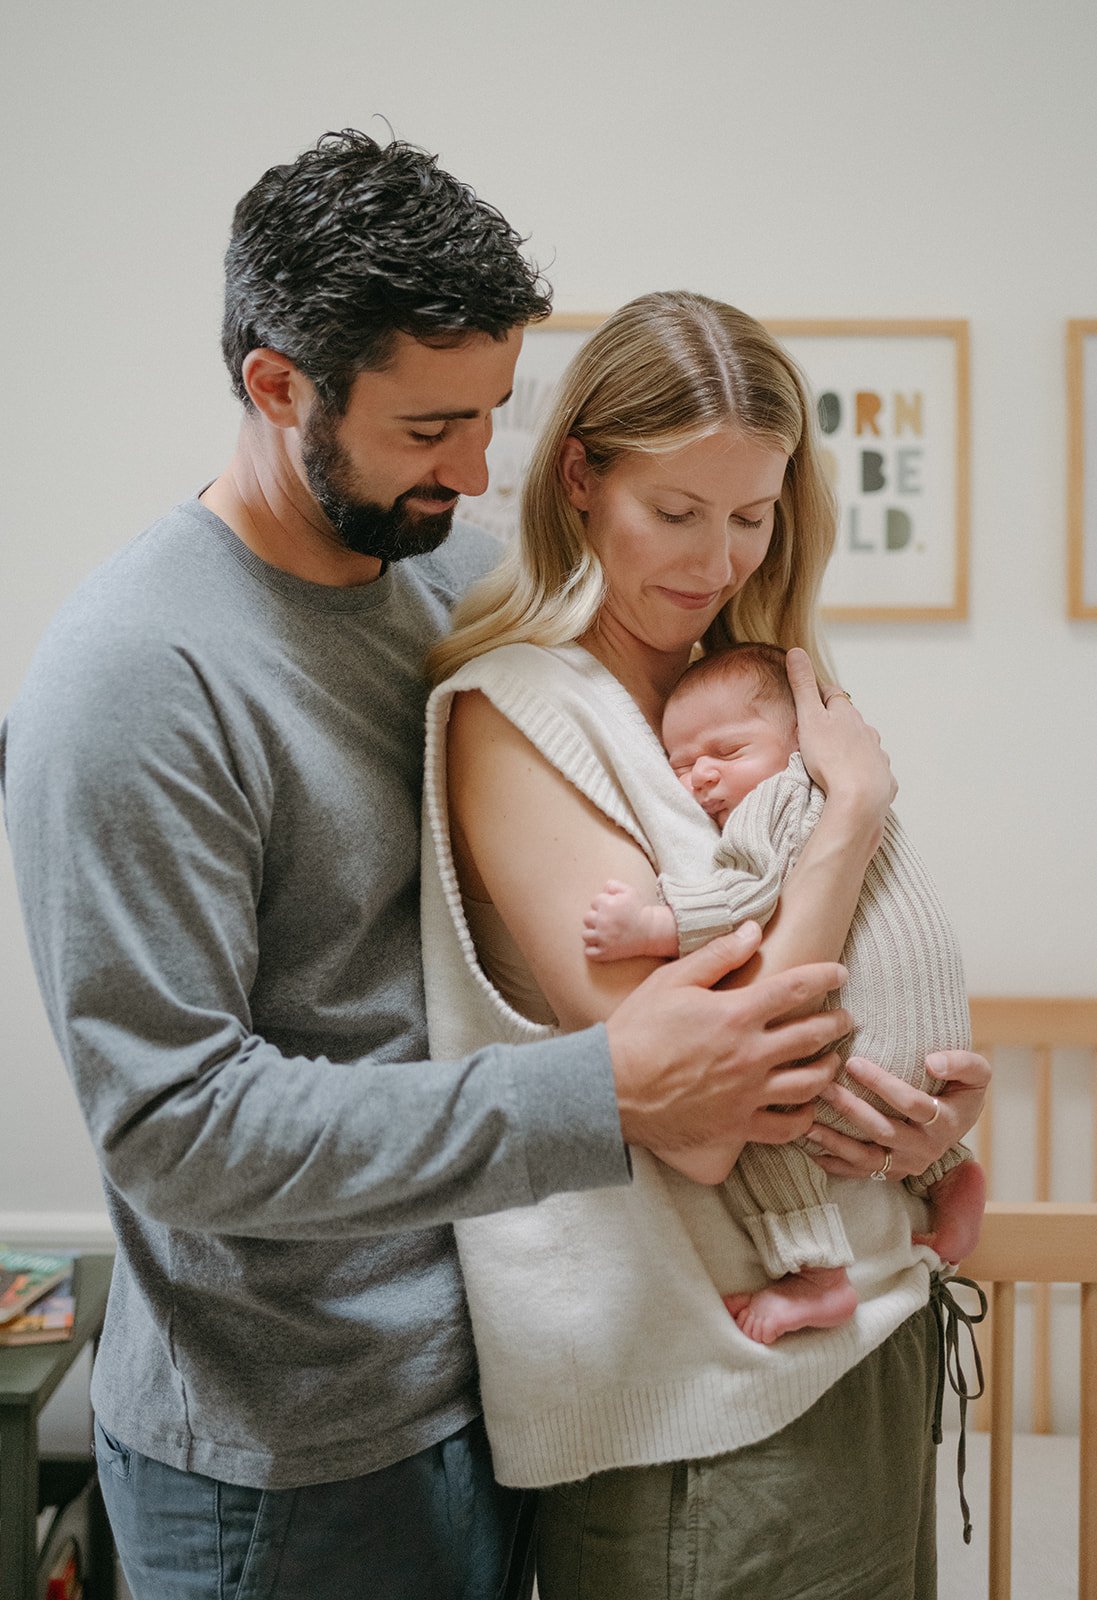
{"x": 1082, "y": 469}
{"x": 894, "y": 402}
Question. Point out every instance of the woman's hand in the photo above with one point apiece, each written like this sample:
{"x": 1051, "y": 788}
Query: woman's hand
{"x": 923, "y": 1128}
{"x": 841, "y": 752}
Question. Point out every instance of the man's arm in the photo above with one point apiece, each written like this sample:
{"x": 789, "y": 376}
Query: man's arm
{"x": 138, "y": 846}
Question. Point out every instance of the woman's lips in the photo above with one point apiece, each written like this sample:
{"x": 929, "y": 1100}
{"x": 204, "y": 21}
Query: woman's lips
{"x": 691, "y": 602}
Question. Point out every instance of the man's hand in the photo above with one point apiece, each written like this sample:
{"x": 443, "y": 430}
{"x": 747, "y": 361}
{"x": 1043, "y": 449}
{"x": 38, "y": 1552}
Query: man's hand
{"x": 697, "y": 1065}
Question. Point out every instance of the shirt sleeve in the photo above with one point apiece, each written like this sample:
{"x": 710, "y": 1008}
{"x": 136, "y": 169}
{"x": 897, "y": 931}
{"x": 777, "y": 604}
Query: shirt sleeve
{"x": 760, "y": 843}
{"x": 139, "y": 864}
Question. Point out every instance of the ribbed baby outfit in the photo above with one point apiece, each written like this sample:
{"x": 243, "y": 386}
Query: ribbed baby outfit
{"x": 905, "y": 992}
{"x": 600, "y": 1330}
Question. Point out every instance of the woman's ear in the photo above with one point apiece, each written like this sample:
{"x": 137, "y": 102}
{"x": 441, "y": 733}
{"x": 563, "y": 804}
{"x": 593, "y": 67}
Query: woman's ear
{"x": 575, "y": 473}
{"x": 278, "y": 389}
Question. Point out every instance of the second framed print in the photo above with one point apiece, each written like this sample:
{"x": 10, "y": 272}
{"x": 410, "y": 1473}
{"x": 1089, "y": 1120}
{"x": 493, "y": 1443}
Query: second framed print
{"x": 1082, "y": 469}
{"x": 893, "y": 405}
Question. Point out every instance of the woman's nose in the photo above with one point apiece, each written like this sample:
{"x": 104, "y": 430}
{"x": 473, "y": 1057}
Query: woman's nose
{"x": 715, "y": 564}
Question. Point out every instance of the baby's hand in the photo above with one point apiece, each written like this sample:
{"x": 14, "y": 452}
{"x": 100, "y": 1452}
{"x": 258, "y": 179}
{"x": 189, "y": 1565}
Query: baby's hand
{"x": 620, "y": 924}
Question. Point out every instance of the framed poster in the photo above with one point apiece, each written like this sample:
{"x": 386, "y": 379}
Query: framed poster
{"x": 1082, "y": 469}
{"x": 893, "y": 404}
{"x": 546, "y": 350}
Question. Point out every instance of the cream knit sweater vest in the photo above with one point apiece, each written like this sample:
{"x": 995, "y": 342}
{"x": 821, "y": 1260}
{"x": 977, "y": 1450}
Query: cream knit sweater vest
{"x": 600, "y": 1331}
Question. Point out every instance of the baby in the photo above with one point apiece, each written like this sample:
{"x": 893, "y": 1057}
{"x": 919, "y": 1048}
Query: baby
{"x": 730, "y": 733}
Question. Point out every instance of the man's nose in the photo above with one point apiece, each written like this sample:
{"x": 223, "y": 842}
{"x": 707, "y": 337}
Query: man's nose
{"x": 464, "y": 465}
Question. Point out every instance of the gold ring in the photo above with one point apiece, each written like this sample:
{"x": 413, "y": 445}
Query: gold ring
{"x": 936, "y": 1114}
{"x": 834, "y": 695}
{"x": 881, "y": 1172}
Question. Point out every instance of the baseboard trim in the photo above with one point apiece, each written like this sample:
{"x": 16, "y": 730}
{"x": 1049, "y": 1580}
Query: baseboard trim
{"x": 57, "y": 1230}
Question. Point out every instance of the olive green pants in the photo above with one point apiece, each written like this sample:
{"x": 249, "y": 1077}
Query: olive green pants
{"x": 837, "y": 1506}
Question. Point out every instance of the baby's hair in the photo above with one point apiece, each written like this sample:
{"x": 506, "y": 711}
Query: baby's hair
{"x": 762, "y": 665}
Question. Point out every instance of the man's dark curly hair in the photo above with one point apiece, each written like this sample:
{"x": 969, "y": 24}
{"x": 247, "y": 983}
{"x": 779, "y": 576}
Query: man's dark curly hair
{"x": 355, "y": 242}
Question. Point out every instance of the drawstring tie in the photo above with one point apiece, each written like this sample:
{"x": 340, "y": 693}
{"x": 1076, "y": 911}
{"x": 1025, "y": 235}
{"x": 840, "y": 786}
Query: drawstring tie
{"x": 950, "y": 1317}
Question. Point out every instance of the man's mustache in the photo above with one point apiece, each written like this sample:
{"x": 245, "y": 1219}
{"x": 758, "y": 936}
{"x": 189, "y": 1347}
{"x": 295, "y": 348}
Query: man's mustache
{"x": 429, "y": 491}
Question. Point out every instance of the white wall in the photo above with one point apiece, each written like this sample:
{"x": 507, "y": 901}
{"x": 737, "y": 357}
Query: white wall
{"x": 860, "y": 157}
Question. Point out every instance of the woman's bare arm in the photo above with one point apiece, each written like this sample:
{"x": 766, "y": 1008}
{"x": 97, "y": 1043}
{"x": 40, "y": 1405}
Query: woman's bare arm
{"x": 819, "y": 897}
{"x": 527, "y": 840}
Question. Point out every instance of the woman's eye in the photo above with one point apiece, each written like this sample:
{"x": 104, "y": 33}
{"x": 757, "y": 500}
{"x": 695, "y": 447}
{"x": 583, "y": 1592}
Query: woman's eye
{"x": 673, "y": 516}
{"x": 745, "y": 522}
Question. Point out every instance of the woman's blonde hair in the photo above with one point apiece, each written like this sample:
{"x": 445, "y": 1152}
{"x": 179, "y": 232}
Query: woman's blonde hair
{"x": 663, "y": 371}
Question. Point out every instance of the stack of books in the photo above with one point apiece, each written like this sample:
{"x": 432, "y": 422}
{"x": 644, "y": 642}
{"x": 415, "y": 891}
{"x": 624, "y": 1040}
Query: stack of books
{"x": 37, "y": 1301}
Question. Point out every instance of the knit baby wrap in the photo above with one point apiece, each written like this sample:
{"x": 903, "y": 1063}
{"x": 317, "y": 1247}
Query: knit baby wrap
{"x": 905, "y": 991}
{"x": 602, "y": 1338}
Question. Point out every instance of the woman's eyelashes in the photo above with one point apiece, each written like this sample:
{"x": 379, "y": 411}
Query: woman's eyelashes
{"x": 686, "y": 516}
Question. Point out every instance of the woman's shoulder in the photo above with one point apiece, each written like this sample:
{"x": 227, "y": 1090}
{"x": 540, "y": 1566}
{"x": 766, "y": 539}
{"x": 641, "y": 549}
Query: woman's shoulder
{"x": 533, "y": 664}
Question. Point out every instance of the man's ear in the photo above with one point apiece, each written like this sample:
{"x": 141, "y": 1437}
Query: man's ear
{"x": 575, "y": 473}
{"x": 279, "y": 390}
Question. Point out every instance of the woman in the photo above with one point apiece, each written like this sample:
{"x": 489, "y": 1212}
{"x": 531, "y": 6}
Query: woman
{"x": 675, "y": 497}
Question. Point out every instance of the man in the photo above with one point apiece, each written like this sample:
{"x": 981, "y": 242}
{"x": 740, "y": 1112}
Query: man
{"x": 212, "y": 786}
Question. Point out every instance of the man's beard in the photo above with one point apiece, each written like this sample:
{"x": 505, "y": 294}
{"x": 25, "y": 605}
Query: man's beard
{"x": 389, "y": 533}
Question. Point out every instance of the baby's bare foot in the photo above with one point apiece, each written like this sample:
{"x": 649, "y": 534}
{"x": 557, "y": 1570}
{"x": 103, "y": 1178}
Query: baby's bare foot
{"x": 817, "y": 1297}
{"x": 956, "y": 1212}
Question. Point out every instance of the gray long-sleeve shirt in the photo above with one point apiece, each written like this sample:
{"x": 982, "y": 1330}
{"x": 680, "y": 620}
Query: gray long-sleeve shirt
{"x": 212, "y": 785}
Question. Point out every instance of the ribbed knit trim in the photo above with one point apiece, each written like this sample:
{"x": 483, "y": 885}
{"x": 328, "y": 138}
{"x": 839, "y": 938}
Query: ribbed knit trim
{"x": 789, "y": 1241}
{"x": 923, "y": 1182}
{"x": 690, "y": 1419}
{"x": 701, "y": 911}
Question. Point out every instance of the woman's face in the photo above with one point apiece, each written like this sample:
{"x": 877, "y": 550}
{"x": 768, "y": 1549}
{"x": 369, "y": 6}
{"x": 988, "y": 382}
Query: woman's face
{"x": 677, "y": 533}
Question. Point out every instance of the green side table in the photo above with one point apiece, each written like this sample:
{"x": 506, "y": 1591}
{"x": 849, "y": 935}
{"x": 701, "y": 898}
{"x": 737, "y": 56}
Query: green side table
{"x": 28, "y": 1376}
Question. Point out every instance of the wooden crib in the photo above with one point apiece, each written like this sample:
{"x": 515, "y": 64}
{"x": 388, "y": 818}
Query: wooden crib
{"x": 1028, "y": 1245}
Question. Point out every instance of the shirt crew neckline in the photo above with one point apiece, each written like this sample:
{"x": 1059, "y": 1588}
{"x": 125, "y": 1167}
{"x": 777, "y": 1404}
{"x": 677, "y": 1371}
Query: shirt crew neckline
{"x": 318, "y": 596}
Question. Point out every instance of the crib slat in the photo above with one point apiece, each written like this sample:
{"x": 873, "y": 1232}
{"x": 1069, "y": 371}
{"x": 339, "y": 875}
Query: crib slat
{"x": 1004, "y": 1298}
{"x": 1087, "y": 1446}
{"x": 986, "y": 1126}
{"x": 1041, "y": 1293}
{"x": 980, "y": 1411}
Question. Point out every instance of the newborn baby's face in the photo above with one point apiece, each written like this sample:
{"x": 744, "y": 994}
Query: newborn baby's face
{"x": 722, "y": 743}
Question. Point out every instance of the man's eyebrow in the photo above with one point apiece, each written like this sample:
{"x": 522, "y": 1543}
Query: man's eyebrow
{"x": 450, "y": 416}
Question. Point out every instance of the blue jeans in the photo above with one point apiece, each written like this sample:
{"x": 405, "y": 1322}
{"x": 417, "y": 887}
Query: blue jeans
{"x": 434, "y": 1527}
